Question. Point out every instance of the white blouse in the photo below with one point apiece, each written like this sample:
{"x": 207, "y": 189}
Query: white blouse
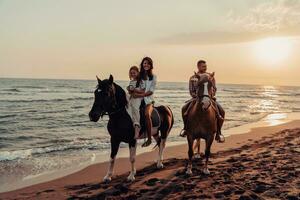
{"x": 150, "y": 86}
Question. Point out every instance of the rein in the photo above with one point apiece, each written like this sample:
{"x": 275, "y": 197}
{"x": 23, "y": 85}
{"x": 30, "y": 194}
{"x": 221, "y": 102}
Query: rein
{"x": 113, "y": 91}
{"x": 204, "y": 95}
{"x": 115, "y": 112}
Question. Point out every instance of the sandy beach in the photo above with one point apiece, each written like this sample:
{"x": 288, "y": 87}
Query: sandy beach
{"x": 255, "y": 164}
{"x": 79, "y": 80}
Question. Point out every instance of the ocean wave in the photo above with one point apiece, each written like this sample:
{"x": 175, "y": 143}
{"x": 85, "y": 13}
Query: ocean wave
{"x": 241, "y": 90}
{"x": 87, "y": 91}
{"x": 64, "y": 91}
{"x": 77, "y": 145}
{"x": 295, "y": 109}
{"x": 77, "y": 107}
{"x": 46, "y": 100}
{"x": 235, "y": 120}
{"x": 11, "y": 90}
{"x": 27, "y": 137}
{"x": 13, "y": 155}
{"x": 7, "y": 116}
{"x": 31, "y": 86}
{"x": 66, "y": 86}
{"x": 255, "y": 113}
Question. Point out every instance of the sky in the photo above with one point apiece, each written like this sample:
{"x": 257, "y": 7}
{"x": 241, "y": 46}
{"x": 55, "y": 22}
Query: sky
{"x": 243, "y": 42}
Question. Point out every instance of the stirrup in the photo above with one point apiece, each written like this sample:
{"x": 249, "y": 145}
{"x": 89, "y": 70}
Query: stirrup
{"x": 182, "y": 133}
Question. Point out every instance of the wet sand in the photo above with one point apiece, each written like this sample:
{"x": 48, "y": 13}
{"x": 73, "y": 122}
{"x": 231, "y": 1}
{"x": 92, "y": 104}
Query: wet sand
{"x": 261, "y": 164}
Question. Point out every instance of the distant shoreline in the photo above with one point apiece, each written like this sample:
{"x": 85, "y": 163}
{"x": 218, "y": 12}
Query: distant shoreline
{"x": 84, "y": 79}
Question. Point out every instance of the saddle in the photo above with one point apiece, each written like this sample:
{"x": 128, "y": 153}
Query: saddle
{"x": 156, "y": 122}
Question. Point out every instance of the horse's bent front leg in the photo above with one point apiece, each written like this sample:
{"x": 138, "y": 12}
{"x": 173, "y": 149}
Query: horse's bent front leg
{"x": 114, "y": 150}
{"x": 162, "y": 146}
{"x": 132, "y": 154}
{"x": 191, "y": 154}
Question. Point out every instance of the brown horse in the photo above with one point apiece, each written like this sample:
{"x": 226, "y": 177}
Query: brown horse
{"x": 201, "y": 120}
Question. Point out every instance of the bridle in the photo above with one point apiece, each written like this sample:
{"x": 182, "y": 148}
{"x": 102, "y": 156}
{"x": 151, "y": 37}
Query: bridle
{"x": 112, "y": 93}
{"x": 200, "y": 98}
{"x": 204, "y": 95}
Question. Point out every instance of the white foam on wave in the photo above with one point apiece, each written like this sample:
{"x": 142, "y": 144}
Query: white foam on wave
{"x": 12, "y": 155}
{"x": 27, "y": 153}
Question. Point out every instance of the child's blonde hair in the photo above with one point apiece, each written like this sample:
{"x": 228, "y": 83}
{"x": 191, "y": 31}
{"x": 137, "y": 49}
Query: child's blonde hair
{"x": 138, "y": 77}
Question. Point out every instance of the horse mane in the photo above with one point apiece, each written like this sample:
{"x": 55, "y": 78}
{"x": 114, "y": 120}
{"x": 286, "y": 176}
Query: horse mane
{"x": 120, "y": 96}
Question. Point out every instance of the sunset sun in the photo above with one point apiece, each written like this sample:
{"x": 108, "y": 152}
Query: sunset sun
{"x": 272, "y": 51}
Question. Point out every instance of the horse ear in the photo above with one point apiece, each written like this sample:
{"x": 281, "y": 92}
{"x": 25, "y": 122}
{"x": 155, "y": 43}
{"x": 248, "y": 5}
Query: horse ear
{"x": 111, "y": 79}
{"x": 212, "y": 74}
{"x": 98, "y": 79}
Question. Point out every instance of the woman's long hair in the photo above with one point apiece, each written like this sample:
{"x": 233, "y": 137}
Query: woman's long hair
{"x": 149, "y": 73}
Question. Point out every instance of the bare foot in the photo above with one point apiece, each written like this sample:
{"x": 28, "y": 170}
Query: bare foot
{"x": 147, "y": 143}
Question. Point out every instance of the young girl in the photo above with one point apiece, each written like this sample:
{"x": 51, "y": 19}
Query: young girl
{"x": 135, "y": 87}
{"x": 149, "y": 79}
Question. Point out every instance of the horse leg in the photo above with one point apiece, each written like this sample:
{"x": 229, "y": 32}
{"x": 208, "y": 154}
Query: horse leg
{"x": 162, "y": 146}
{"x": 132, "y": 154}
{"x": 197, "y": 149}
{"x": 191, "y": 154}
{"x": 165, "y": 129}
{"x": 220, "y": 121}
{"x": 208, "y": 143}
{"x": 114, "y": 145}
{"x": 184, "y": 114}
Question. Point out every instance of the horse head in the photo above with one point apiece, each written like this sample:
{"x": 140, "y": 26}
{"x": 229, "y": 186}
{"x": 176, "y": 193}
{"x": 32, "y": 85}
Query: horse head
{"x": 105, "y": 98}
{"x": 205, "y": 89}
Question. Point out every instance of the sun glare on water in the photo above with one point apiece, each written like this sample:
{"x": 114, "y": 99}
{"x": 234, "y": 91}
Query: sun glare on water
{"x": 272, "y": 51}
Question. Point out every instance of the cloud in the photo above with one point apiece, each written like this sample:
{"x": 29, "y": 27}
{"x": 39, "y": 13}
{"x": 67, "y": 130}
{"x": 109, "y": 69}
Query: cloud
{"x": 279, "y": 16}
{"x": 276, "y": 18}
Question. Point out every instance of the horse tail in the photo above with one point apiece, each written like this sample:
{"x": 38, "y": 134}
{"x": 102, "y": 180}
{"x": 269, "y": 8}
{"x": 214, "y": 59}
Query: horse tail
{"x": 172, "y": 116}
{"x": 165, "y": 126}
{"x": 168, "y": 109}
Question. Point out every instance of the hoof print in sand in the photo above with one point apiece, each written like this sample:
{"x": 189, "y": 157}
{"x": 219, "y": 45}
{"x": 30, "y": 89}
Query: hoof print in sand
{"x": 122, "y": 188}
{"x": 152, "y": 181}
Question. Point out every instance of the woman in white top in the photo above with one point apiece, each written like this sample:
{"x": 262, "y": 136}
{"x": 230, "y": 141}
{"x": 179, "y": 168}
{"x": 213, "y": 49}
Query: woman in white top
{"x": 149, "y": 80}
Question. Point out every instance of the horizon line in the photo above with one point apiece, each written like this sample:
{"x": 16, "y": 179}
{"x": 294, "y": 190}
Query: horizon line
{"x": 84, "y": 79}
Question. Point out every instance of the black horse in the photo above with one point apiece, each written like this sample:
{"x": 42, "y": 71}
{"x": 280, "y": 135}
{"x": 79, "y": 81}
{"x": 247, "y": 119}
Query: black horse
{"x": 110, "y": 99}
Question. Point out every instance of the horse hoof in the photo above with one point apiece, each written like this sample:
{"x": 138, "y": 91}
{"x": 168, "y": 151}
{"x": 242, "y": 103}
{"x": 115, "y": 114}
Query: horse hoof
{"x": 160, "y": 165}
{"x": 206, "y": 171}
{"x": 107, "y": 179}
{"x": 130, "y": 178}
{"x": 197, "y": 156}
{"x": 189, "y": 172}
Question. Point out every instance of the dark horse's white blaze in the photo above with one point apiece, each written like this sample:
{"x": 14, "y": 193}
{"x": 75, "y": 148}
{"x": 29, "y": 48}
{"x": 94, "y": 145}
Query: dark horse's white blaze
{"x": 110, "y": 99}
